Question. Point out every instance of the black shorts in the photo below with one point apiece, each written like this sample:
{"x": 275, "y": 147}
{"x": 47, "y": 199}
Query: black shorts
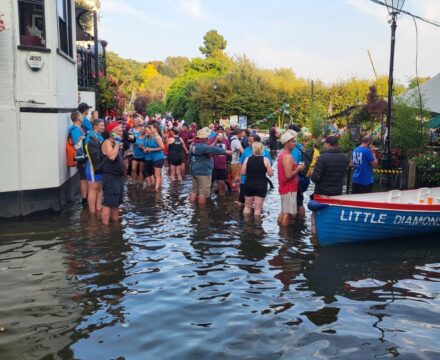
{"x": 113, "y": 190}
{"x": 148, "y": 168}
{"x": 299, "y": 196}
{"x": 219, "y": 174}
{"x": 362, "y": 189}
{"x": 255, "y": 188}
{"x": 139, "y": 159}
{"x": 82, "y": 171}
{"x": 159, "y": 163}
{"x": 174, "y": 161}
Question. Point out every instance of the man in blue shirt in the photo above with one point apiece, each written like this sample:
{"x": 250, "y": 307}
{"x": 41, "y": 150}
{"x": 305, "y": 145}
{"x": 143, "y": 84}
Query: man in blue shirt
{"x": 364, "y": 161}
{"x": 76, "y": 133}
{"x": 83, "y": 108}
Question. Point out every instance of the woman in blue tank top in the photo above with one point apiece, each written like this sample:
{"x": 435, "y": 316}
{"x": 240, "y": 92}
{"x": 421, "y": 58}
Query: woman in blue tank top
{"x": 137, "y": 164}
{"x": 148, "y": 159}
{"x": 155, "y": 146}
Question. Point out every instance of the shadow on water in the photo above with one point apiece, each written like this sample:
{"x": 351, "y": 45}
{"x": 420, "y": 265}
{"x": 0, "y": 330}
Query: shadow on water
{"x": 174, "y": 280}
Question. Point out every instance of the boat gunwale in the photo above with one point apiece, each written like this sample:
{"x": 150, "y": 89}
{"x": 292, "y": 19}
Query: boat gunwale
{"x": 374, "y": 205}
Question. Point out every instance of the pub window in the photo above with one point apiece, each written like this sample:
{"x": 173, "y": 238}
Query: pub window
{"x": 64, "y": 10}
{"x": 32, "y": 23}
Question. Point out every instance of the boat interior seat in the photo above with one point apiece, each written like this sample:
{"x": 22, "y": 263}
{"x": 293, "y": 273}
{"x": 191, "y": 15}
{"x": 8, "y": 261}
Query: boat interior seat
{"x": 394, "y": 196}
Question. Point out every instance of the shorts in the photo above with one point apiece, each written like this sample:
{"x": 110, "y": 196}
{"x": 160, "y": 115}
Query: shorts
{"x": 241, "y": 194}
{"x": 113, "y": 190}
{"x": 255, "y": 189}
{"x": 288, "y": 203}
{"x": 175, "y": 161}
{"x": 159, "y": 163}
{"x": 81, "y": 171}
{"x": 201, "y": 185}
{"x": 141, "y": 160}
{"x": 362, "y": 189}
{"x": 148, "y": 168}
{"x": 219, "y": 174}
{"x": 90, "y": 175}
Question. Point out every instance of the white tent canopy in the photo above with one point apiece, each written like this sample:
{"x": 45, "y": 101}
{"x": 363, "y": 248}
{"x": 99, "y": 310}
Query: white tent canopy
{"x": 430, "y": 92}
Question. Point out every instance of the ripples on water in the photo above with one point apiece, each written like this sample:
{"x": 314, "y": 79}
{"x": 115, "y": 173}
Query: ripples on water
{"x": 174, "y": 281}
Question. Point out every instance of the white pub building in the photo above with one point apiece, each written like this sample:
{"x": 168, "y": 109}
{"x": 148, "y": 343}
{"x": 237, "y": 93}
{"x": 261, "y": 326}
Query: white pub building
{"x": 41, "y": 76}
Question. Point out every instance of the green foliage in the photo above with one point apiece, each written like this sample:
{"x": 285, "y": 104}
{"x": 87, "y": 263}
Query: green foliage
{"x": 155, "y": 108}
{"x": 174, "y": 66}
{"x": 413, "y": 81}
{"x": 316, "y": 126}
{"x": 108, "y": 96}
{"x": 213, "y": 43}
{"x": 428, "y": 168}
{"x": 345, "y": 144}
{"x": 126, "y": 72}
{"x": 407, "y": 131}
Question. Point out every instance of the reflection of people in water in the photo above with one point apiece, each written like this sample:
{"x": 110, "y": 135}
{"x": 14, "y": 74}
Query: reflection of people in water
{"x": 98, "y": 264}
{"x": 291, "y": 265}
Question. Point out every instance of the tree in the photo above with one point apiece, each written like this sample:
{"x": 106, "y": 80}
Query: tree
{"x": 413, "y": 81}
{"x": 213, "y": 43}
{"x": 174, "y": 66}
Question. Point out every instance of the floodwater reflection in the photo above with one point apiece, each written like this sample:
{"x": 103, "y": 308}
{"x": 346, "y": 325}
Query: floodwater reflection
{"x": 176, "y": 281}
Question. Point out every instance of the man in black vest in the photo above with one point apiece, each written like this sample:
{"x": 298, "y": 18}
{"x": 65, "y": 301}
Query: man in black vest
{"x": 330, "y": 169}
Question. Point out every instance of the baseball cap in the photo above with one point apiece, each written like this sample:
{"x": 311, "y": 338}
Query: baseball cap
{"x": 220, "y": 128}
{"x": 83, "y": 107}
{"x": 331, "y": 140}
{"x": 287, "y": 136}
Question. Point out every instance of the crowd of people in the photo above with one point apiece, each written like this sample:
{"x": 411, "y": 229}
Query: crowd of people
{"x": 136, "y": 149}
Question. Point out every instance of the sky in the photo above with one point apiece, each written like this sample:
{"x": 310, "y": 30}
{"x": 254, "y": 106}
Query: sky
{"x": 323, "y": 40}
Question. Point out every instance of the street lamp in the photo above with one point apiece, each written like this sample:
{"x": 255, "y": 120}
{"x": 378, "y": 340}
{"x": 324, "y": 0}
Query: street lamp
{"x": 394, "y": 7}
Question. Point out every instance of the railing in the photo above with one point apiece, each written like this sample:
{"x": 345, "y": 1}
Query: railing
{"x": 86, "y": 69}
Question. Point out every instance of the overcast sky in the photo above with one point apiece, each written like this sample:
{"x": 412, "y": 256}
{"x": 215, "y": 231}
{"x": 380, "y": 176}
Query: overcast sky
{"x": 317, "y": 39}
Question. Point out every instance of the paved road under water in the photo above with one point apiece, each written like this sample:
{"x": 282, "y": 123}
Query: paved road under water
{"x": 177, "y": 282}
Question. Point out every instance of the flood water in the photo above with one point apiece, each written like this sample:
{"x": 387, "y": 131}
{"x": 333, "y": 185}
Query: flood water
{"x": 174, "y": 281}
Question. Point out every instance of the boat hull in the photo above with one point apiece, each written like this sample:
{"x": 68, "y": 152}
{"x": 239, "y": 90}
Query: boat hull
{"x": 339, "y": 223}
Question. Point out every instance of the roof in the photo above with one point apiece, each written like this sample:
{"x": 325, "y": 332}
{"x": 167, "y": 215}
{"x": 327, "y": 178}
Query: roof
{"x": 430, "y": 92}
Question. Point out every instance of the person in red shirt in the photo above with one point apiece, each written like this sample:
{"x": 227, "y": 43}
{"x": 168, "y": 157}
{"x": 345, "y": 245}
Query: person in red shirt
{"x": 288, "y": 178}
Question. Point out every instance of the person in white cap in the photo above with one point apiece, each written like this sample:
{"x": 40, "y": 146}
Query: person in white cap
{"x": 288, "y": 178}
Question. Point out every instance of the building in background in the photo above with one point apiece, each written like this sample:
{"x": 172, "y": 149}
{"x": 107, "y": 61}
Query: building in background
{"x": 39, "y": 87}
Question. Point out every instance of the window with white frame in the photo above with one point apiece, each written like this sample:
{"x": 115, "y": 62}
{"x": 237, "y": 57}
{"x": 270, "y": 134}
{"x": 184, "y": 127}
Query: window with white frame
{"x": 32, "y": 23}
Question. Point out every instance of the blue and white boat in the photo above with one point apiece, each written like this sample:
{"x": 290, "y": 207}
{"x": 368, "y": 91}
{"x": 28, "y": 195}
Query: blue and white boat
{"x": 376, "y": 216}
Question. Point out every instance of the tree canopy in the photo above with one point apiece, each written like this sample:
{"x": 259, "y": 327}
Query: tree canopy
{"x": 213, "y": 43}
{"x": 203, "y": 89}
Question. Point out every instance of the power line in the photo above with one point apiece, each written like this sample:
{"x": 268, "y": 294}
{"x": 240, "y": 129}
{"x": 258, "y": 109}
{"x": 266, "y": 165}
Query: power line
{"x": 432, "y": 22}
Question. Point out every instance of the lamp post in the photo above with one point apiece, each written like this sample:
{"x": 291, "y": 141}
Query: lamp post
{"x": 104, "y": 44}
{"x": 394, "y": 8}
{"x": 215, "y": 88}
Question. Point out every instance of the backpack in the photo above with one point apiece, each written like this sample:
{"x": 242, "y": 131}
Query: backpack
{"x": 70, "y": 152}
{"x": 95, "y": 154}
{"x": 75, "y": 153}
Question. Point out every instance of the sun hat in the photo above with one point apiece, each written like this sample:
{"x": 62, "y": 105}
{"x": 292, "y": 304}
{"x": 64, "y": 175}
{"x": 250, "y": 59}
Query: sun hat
{"x": 202, "y": 134}
{"x": 287, "y": 136}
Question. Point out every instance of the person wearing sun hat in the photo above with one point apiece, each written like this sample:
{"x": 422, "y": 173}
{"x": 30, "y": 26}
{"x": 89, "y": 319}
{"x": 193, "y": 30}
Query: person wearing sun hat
{"x": 288, "y": 171}
{"x": 201, "y": 165}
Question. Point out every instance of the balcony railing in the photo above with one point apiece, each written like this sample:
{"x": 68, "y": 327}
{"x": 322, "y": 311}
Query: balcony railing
{"x": 86, "y": 69}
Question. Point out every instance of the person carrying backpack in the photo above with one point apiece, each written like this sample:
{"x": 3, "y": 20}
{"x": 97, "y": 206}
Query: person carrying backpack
{"x": 93, "y": 141}
{"x": 76, "y": 135}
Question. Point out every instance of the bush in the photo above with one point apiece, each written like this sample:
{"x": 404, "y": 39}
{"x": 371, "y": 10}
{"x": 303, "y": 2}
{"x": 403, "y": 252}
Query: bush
{"x": 407, "y": 131}
{"x": 428, "y": 169}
